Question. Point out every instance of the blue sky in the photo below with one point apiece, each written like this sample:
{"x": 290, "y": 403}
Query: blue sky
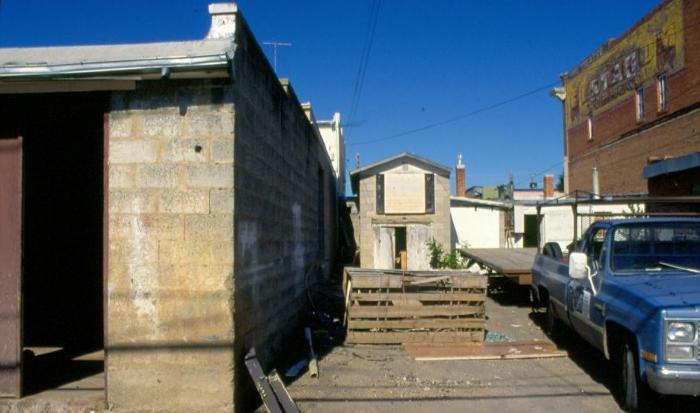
{"x": 430, "y": 61}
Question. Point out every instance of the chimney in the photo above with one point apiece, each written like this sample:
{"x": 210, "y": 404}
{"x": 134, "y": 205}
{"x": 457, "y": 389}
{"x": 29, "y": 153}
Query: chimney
{"x": 223, "y": 20}
{"x": 461, "y": 179}
{"x": 548, "y": 186}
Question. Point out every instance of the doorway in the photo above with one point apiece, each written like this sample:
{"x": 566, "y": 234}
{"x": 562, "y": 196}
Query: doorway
{"x": 401, "y": 252}
{"x": 531, "y": 229}
{"x": 61, "y": 233}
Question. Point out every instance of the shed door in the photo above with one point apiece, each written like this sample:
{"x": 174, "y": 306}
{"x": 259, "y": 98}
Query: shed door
{"x": 10, "y": 265}
{"x": 418, "y": 254}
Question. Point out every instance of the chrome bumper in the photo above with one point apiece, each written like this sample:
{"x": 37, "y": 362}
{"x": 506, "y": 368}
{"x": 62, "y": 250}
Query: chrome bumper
{"x": 676, "y": 380}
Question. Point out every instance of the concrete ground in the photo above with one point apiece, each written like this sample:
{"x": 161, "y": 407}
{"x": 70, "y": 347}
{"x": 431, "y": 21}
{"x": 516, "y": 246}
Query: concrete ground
{"x": 385, "y": 379}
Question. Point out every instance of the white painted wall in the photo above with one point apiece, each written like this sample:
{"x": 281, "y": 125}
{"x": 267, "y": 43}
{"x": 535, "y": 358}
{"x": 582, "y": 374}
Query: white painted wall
{"x": 332, "y": 134}
{"x": 476, "y": 226}
{"x": 558, "y": 221}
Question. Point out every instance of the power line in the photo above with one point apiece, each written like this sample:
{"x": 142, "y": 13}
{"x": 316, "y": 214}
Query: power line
{"x": 456, "y": 118}
{"x": 496, "y": 105}
{"x": 364, "y": 60}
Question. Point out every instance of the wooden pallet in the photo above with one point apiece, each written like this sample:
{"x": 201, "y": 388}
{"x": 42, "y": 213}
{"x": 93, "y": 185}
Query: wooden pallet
{"x": 394, "y": 307}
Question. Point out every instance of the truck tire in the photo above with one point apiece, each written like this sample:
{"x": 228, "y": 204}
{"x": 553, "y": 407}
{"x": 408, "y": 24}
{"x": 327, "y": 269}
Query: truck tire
{"x": 635, "y": 395}
{"x": 552, "y": 325}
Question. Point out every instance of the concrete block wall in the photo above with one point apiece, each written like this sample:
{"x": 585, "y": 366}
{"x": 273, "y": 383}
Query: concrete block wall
{"x": 170, "y": 320}
{"x": 283, "y": 184}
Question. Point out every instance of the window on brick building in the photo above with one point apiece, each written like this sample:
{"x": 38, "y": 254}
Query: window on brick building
{"x": 640, "y": 103}
{"x": 662, "y": 90}
{"x": 589, "y": 124}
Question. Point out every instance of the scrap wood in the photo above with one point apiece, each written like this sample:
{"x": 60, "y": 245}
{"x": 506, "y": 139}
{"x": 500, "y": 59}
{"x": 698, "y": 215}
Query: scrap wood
{"x": 430, "y": 280}
{"x": 313, "y": 364}
{"x": 483, "y": 351}
{"x": 281, "y": 392}
{"x": 274, "y": 395}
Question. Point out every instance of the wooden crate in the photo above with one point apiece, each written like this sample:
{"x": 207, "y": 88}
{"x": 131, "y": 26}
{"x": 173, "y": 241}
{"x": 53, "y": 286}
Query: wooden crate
{"x": 393, "y": 307}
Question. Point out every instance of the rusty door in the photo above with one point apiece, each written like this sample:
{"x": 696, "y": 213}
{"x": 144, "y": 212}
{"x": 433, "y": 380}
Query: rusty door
{"x": 10, "y": 265}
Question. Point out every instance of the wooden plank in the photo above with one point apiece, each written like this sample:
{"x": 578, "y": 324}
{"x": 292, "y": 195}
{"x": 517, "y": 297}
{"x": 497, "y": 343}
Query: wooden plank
{"x": 356, "y": 337}
{"x": 397, "y": 281}
{"x": 484, "y": 351}
{"x": 375, "y": 281}
{"x": 503, "y": 260}
{"x": 430, "y": 323}
{"x": 437, "y": 296}
{"x": 281, "y": 393}
{"x": 428, "y": 280}
{"x": 371, "y": 311}
{"x": 261, "y": 383}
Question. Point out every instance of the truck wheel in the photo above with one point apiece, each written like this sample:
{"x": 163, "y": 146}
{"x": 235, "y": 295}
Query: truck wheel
{"x": 552, "y": 325}
{"x": 635, "y": 395}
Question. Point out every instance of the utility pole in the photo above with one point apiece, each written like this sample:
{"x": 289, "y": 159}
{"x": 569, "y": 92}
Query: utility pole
{"x": 275, "y": 45}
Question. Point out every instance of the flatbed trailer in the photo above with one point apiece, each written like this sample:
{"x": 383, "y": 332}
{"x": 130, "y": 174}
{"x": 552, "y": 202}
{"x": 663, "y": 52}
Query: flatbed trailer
{"x": 513, "y": 263}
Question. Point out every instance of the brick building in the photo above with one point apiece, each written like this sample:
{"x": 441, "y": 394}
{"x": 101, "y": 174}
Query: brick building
{"x": 635, "y": 97}
{"x": 166, "y": 202}
{"x": 404, "y": 202}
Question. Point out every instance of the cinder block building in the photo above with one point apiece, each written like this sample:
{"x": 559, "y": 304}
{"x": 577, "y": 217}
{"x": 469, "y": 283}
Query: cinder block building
{"x": 404, "y": 202}
{"x": 165, "y": 202}
{"x": 637, "y": 96}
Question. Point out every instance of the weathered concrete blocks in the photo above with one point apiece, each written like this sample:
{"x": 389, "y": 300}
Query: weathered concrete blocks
{"x": 210, "y": 176}
{"x": 186, "y": 150}
{"x": 221, "y": 201}
{"x": 222, "y": 150}
{"x": 120, "y": 125}
{"x": 189, "y": 202}
{"x": 210, "y": 123}
{"x": 156, "y": 176}
{"x": 209, "y": 227}
{"x": 132, "y": 151}
{"x": 156, "y": 226}
{"x": 122, "y": 176}
{"x": 132, "y": 202}
{"x": 165, "y": 123}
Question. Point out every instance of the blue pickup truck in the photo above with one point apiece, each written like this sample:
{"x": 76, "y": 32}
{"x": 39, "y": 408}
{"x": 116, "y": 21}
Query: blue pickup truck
{"x": 632, "y": 290}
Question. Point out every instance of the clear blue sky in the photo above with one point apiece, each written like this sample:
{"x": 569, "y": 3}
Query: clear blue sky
{"x": 430, "y": 61}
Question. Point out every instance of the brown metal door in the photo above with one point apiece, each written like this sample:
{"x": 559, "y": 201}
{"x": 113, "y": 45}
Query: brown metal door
{"x": 10, "y": 266}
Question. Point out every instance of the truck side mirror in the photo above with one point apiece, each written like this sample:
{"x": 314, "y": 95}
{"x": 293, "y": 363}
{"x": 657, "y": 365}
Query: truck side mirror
{"x": 579, "y": 269}
{"x": 578, "y": 266}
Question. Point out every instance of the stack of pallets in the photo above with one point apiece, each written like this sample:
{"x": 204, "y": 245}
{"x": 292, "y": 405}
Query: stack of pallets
{"x": 393, "y": 307}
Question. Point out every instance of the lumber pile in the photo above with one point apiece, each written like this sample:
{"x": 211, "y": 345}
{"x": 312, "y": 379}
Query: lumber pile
{"x": 394, "y": 307}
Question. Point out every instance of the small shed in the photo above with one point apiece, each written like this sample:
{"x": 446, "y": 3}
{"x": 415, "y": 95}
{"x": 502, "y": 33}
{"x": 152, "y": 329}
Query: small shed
{"x": 404, "y": 202}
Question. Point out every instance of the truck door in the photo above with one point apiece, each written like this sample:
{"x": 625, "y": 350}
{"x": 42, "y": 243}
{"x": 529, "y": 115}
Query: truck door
{"x": 583, "y": 305}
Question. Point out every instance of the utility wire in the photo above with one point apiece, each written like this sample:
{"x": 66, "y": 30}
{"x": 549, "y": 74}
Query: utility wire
{"x": 496, "y": 105}
{"x": 458, "y": 117}
{"x": 364, "y": 60}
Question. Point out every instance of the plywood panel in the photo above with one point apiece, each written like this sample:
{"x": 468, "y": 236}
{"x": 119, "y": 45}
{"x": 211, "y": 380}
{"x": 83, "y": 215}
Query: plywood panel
{"x": 404, "y": 193}
{"x": 417, "y": 239}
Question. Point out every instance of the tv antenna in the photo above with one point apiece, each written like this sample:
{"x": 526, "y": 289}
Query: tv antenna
{"x": 275, "y": 45}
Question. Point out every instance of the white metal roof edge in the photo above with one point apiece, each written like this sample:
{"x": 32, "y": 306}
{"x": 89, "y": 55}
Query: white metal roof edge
{"x": 38, "y": 71}
{"x": 479, "y": 202}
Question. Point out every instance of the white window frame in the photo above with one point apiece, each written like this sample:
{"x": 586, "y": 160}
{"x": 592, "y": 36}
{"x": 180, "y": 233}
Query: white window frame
{"x": 589, "y": 124}
{"x": 639, "y": 101}
{"x": 662, "y": 91}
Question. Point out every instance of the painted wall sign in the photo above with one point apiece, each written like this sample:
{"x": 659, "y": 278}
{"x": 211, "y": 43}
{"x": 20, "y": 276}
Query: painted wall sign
{"x": 614, "y": 72}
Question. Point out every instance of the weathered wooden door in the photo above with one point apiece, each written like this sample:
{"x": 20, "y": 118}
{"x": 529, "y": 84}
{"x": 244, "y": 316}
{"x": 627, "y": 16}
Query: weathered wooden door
{"x": 418, "y": 253}
{"x": 383, "y": 247}
{"x": 10, "y": 266}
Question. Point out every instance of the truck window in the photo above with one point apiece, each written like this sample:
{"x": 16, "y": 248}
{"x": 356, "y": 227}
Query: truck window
{"x": 594, "y": 249}
{"x": 648, "y": 247}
